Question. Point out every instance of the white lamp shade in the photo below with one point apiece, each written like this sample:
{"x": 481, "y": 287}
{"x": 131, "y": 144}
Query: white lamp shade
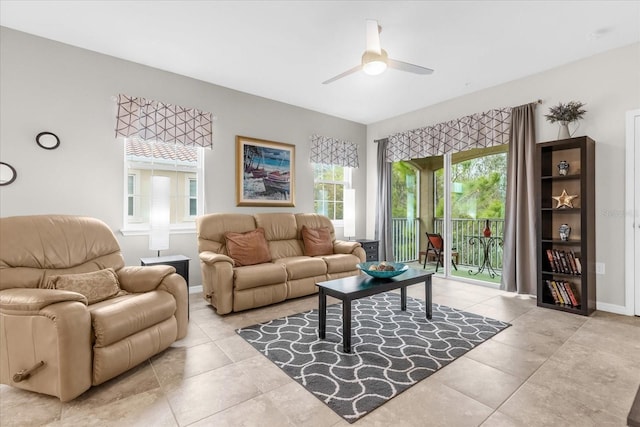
{"x": 349, "y": 212}
{"x": 159, "y": 215}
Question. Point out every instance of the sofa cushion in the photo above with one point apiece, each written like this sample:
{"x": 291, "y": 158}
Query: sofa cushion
{"x": 339, "y": 263}
{"x": 116, "y": 319}
{"x": 248, "y": 248}
{"x": 277, "y": 226}
{"x": 303, "y": 267}
{"x": 254, "y": 276}
{"x": 317, "y": 241}
{"x": 96, "y": 286}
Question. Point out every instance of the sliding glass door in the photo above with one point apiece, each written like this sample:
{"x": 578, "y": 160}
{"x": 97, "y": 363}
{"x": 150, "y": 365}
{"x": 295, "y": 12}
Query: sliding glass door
{"x": 469, "y": 199}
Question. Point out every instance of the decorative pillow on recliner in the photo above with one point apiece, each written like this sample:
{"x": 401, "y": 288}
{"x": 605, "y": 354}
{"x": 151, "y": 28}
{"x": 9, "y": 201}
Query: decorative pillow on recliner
{"x": 96, "y": 286}
{"x": 248, "y": 248}
{"x": 317, "y": 241}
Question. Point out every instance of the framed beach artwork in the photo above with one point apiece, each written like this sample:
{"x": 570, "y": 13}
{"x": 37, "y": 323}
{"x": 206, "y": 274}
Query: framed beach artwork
{"x": 265, "y": 172}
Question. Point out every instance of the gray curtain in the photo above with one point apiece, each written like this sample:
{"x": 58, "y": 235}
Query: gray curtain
{"x": 383, "y": 208}
{"x": 520, "y": 249}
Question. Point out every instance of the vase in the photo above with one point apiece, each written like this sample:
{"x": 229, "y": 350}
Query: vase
{"x": 563, "y": 168}
{"x": 565, "y": 231}
{"x": 487, "y": 231}
{"x": 563, "y": 131}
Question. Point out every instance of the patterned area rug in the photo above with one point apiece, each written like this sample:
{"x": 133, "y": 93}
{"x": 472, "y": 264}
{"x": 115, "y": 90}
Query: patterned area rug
{"x": 391, "y": 349}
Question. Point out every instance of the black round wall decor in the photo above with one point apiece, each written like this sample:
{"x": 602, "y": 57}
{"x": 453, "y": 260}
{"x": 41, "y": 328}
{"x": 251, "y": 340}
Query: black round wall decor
{"x": 48, "y": 140}
{"x": 8, "y": 173}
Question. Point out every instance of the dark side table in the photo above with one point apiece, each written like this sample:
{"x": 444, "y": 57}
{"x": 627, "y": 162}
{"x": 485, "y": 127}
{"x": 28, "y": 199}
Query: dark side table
{"x": 371, "y": 248}
{"x": 179, "y": 262}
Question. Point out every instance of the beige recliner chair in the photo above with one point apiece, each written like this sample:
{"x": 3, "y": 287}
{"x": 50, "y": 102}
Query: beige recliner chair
{"x": 71, "y": 314}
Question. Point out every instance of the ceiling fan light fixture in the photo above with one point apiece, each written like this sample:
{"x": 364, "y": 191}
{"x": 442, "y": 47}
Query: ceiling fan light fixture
{"x": 374, "y": 68}
{"x": 374, "y": 63}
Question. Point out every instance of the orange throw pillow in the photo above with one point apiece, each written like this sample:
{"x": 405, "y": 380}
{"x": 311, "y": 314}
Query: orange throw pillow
{"x": 248, "y": 248}
{"x": 317, "y": 241}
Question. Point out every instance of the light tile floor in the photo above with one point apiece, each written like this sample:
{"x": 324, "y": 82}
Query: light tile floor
{"x": 549, "y": 369}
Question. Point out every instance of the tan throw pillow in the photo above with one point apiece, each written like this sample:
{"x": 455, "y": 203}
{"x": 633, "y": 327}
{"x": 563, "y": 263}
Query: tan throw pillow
{"x": 248, "y": 248}
{"x": 317, "y": 241}
{"x": 96, "y": 286}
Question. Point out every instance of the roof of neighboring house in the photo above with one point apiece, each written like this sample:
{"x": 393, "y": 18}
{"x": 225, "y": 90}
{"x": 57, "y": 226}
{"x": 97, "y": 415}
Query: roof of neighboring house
{"x": 163, "y": 151}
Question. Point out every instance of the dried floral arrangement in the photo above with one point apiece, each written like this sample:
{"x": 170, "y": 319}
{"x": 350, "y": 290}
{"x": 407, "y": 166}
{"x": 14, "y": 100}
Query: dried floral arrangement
{"x": 569, "y": 112}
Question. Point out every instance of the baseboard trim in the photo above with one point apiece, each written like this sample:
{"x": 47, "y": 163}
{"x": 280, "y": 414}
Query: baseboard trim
{"x": 612, "y": 308}
{"x": 195, "y": 289}
{"x": 602, "y": 306}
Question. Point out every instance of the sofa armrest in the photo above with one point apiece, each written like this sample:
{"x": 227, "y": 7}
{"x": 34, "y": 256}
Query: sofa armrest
{"x": 353, "y": 248}
{"x": 217, "y": 280}
{"x": 211, "y": 258}
{"x": 29, "y": 301}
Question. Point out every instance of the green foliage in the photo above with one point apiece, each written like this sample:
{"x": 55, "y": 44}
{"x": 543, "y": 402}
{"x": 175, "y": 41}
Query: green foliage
{"x": 404, "y": 182}
{"x": 569, "y": 112}
{"x": 478, "y": 189}
{"x": 328, "y": 193}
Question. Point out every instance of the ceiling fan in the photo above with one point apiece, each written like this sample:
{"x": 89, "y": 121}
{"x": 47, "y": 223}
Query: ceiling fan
{"x": 375, "y": 59}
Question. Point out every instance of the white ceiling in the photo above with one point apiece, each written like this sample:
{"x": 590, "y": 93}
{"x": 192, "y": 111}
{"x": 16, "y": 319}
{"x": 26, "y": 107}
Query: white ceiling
{"x": 283, "y": 50}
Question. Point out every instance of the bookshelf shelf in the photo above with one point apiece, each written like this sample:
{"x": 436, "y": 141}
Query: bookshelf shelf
{"x": 560, "y": 287}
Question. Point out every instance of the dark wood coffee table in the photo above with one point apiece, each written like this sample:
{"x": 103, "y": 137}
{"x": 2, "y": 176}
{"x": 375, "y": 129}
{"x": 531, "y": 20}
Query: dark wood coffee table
{"x": 351, "y": 288}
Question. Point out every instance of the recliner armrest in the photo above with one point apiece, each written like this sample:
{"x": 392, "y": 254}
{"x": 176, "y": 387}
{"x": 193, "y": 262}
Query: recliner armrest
{"x": 143, "y": 278}
{"x": 138, "y": 279}
{"x": 29, "y": 301}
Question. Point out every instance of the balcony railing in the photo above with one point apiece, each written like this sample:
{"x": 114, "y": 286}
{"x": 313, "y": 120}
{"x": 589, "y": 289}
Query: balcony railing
{"x": 406, "y": 238}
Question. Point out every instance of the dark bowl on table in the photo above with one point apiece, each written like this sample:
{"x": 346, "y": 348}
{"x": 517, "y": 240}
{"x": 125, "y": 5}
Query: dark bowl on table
{"x": 398, "y": 268}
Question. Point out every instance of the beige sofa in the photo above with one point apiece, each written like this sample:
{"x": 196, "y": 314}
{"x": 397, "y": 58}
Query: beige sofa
{"x": 66, "y": 299}
{"x": 289, "y": 273}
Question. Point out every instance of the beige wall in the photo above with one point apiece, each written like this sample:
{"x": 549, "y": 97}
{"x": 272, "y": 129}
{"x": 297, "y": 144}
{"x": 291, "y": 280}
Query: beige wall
{"x": 609, "y": 83}
{"x": 49, "y": 86}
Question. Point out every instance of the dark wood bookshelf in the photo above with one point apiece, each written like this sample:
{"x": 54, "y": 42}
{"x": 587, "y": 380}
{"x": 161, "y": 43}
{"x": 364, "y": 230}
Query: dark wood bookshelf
{"x": 580, "y": 180}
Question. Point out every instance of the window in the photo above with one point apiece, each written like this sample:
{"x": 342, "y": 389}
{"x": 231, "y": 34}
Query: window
{"x": 192, "y": 202}
{"x": 133, "y": 207}
{"x": 329, "y": 182}
{"x": 182, "y": 164}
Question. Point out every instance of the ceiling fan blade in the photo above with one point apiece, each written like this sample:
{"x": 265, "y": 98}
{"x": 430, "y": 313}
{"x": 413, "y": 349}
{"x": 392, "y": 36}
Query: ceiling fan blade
{"x": 373, "y": 36}
{"x": 405, "y": 66}
{"x": 346, "y": 73}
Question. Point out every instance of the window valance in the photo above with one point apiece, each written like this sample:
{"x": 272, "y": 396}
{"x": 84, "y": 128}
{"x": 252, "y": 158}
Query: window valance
{"x": 479, "y": 130}
{"x": 331, "y": 151}
{"x": 152, "y": 120}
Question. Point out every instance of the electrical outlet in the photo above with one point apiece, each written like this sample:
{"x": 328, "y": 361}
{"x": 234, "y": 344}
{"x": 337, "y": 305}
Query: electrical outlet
{"x": 599, "y": 267}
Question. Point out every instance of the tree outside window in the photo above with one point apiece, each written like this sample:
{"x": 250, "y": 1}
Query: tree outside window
{"x": 329, "y": 184}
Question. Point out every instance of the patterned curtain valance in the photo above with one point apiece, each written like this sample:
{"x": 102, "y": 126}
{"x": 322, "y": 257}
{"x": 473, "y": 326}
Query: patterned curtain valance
{"x": 330, "y": 151}
{"x": 478, "y": 130}
{"x": 152, "y": 120}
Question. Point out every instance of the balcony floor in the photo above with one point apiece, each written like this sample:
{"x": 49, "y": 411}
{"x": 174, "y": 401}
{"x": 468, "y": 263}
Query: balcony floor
{"x": 462, "y": 272}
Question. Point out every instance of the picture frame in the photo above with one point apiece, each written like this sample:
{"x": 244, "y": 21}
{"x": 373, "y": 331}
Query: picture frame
{"x": 265, "y": 172}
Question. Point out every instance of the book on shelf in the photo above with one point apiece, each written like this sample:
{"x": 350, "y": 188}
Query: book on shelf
{"x": 552, "y": 262}
{"x": 564, "y": 262}
{"x": 563, "y": 293}
{"x": 578, "y": 265}
{"x": 572, "y": 262}
{"x": 553, "y": 292}
{"x": 573, "y": 295}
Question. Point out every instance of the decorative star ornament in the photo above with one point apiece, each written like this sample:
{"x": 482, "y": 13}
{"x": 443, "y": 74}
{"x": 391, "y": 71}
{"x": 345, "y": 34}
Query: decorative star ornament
{"x": 564, "y": 200}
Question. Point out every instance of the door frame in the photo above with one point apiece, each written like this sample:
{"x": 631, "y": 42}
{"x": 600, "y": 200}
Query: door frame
{"x": 632, "y": 214}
